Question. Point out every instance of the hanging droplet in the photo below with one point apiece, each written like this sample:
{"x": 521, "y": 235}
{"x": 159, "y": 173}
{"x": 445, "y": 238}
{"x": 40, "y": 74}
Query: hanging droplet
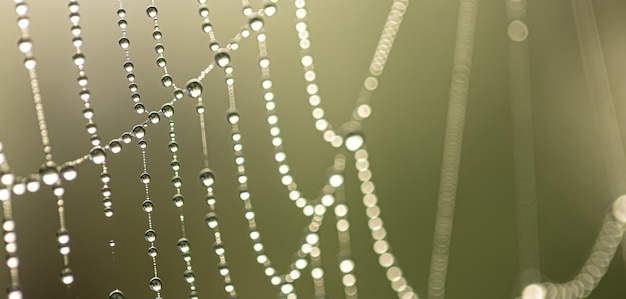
{"x": 25, "y": 45}
{"x": 207, "y": 177}
{"x": 116, "y": 294}
{"x": 79, "y": 59}
{"x": 352, "y": 136}
{"x": 222, "y": 269}
{"x": 139, "y": 131}
{"x": 150, "y": 235}
{"x": 517, "y": 31}
{"x": 106, "y": 202}
{"x": 161, "y": 62}
{"x": 193, "y": 295}
{"x": 63, "y": 236}
{"x": 151, "y": 11}
{"x": 187, "y": 257}
{"x": 67, "y": 277}
{"x": 219, "y": 248}
{"x": 255, "y": 22}
{"x": 14, "y": 292}
{"x": 194, "y": 88}
{"x": 115, "y": 146}
{"x": 147, "y": 206}
{"x": 207, "y": 26}
{"x": 166, "y": 80}
{"x": 49, "y": 173}
{"x": 145, "y": 178}
{"x": 88, "y": 113}
{"x": 178, "y": 200}
{"x": 129, "y": 66}
{"x": 156, "y": 34}
{"x": 105, "y": 177}
{"x": 269, "y": 7}
{"x": 68, "y": 172}
{"x": 199, "y": 108}
{"x": 140, "y": 108}
{"x": 155, "y": 284}
{"x": 142, "y": 144}
{"x": 127, "y": 138}
{"x": 97, "y": 155}
{"x": 183, "y": 245}
{"x": 122, "y": 23}
{"x": 177, "y": 182}
{"x": 214, "y": 45}
{"x": 189, "y": 276}
{"x": 152, "y": 251}
{"x": 121, "y": 13}
{"x": 124, "y": 43}
{"x": 222, "y": 57}
{"x": 246, "y": 10}
{"x": 175, "y": 165}
{"x": 178, "y": 93}
{"x": 154, "y": 117}
{"x": 232, "y": 116}
{"x": 211, "y": 220}
{"x": 108, "y": 212}
{"x": 91, "y": 128}
{"x": 203, "y": 11}
{"x": 167, "y": 110}
{"x": 159, "y": 48}
{"x": 30, "y": 62}
{"x": 173, "y": 146}
{"x": 135, "y": 97}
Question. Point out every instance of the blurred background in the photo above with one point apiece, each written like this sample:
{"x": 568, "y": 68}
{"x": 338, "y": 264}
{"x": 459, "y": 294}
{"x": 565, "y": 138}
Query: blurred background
{"x": 404, "y": 137}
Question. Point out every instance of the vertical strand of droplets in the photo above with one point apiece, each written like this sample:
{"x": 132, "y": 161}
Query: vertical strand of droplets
{"x": 601, "y": 98}
{"x": 7, "y": 180}
{"x": 49, "y": 172}
{"x": 455, "y": 123}
{"x": 523, "y": 145}
{"x": 155, "y": 283}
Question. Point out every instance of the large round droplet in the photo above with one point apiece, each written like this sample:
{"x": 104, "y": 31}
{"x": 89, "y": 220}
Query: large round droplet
{"x": 178, "y": 200}
{"x": 139, "y": 131}
{"x": 147, "y": 206}
{"x": 232, "y": 116}
{"x": 161, "y": 62}
{"x": 124, "y": 43}
{"x": 116, "y": 294}
{"x": 177, "y": 182}
{"x": 193, "y": 88}
{"x": 121, "y": 13}
{"x": 166, "y": 80}
{"x": 173, "y": 146}
{"x": 129, "y": 66}
{"x": 167, "y": 110}
{"x": 63, "y": 236}
{"x": 154, "y": 117}
{"x": 115, "y": 146}
{"x": 211, "y": 220}
{"x": 269, "y": 7}
{"x": 152, "y": 251}
{"x": 97, "y": 155}
{"x": 189, "y": 276}
{"x": 207, "y": 177}
{"x": 49, "y": 174}
{"x": 150, "y": 235}
{"x": 207, "y": 26}
{"x": 175, "y": 165}
{"x": 517, "y": 31}
{"x": 25, "y": 45}
{"x": 67, "y": 277}
{"x": 69, "y": 172}
{"x": 255, "y": 22}
{"x": 127, "y": 138}
{"x": 183, "y": 245}
{"x": 222, "y": 57}
{"x": 145, "y": 178}
{"x": 156, "y": 284}
{"x": 151, "y": 11}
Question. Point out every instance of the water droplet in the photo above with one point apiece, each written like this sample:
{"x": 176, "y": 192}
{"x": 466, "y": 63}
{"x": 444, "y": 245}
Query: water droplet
{"x": 211, "y": 220}
{"x": 222, "y": 269}
{"x": 177, "y": 182}
{"x": 178, "y": 200}
{"x": 269, "y": 7}
{"x": 139, "y": 131}
{"x": 130, "y": 77}
{"x": 88, "y": 113}
{"x": 218, "y": 248}
{"x": 156, "y": 284}
{"x": 246, "y": 10}
{"x": 157, "y": 35}
{"x": 152, "y": 251}
{"x": 25, "y": 45}
{"x": 105, "y": 177}
{"x": 79, "y": 59}
{"x": 67, "y": 277}
{"x": 178, "y": 93}
{"x": 159, "y": 48}
{"x": 115, "y": 146}
{"x": 122, "y": 23}
{"x": 135, "y": 97}
{"x": 106, "y": 191}
{"x": 147, "y": 206}
{"x": 129, "y": 67}
{"x": 14, "y": 292}
{"x": 106, "y": 202}
{"x": 150, "y": 235}
{"x": 63, "y": 236}
{"x": 124, "y": 43}
{"x": 199, "y": 108}
{"x": 151, "y": 11}
{"x": 214, "y": 45}
{"x": 97, "y": 155}
{"x": 116, "y": 294}
{"x": 232, "y": 115}
{"x": 49, "y": 173}
{"x": 183, "y": 245}
{"x": 140, "y": 108}
{"x": 166, "y": 80}
{"x": 207, "y": 26}
{"x": 187, "y": 257}
{"x": 189, "y": 276}
{"x": 69, "y": 172}
{"x": 142, "y": 144}
{"x": 161, "y": 62}
{"x": 222, "y": 57}
{"x": 255, "y": 22}
{"x": 145, "y": 178}
{"x": 192, "y": 295}
{"x": 91, "y": 128}
{"x": 167, "y": 110}
{"x": 203, "y": 11}
{"x": 127, "y": 138}
{"x": 194, "y": 88}
{"x": 30, "y": 62}
{"x": 517, "y": 31}
{"x": 207, "y": 177}
{"x": 175, "y": 165}
{"x": 154, "y": 117}
{"x": 121, "y": 13}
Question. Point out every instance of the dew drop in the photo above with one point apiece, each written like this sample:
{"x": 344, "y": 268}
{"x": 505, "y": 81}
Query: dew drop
{"x": 156, "y": 284}
{"x": 14, "y": 292}
{"x": 517, "y": 31}
{"x": 151, "y": 11}
{"x": 127, "y": 138}
{"x": 145, "y": 178}
{"x": 67, "y": 277}
{"x": 222, "y": 57}
{"x": 140, "y": 108}
{"x": 147, "y": 206}
{"x": 124, "y": 43}
{"x": 122, "y": 23}
{"x": 154, "y": 117}
{"x": 203, "y": 11}
{"x": 150, "y": 235}
{"x": 159, "y": 48}
{"x": 175, "y": 165}
{"x": 207, "y": 177}
{"x": 211, "y": 220}
{"x": 121, "y": 13}
{"x": 173, "y": 146}
{"x": 139, "y": 131}
{"x": 157, "y": 35}
{"x": 183, "y": 245}
{"x": 25, "y": 45}
{"x": 142, "y": 144}
{"x": 105, "y": 177}
{"x": 167, "y": 110}
{"x": 97, "y": 155}
{"x": 194, "y": 88}
{"x": 178, "y": 93}
{"x": 269, "y": 7}
{"x": 177, "y": 182}
{"x": 166, "y": 80}
{"x": 199, "y": 108}
{"x": 207, "y": 26}
{"x": 232, "y": 116}
{"x": 152, "y": 251}
{"x": 161, "y": 62}
{"x": 129, "y": 67}
{"x": 116, "y": 294}
{"x": 189, "y": 276}
{"x": 115, "y": 146}
{"x": 79, "y": 59}
{"x": 68, "y": 172}
{"x": 178, "y": 200}
{"x": 49, "y": 173}
{"x": 88, "y": 113}
{"x": 255, "y": 22}
{"x": 63, "y": 236}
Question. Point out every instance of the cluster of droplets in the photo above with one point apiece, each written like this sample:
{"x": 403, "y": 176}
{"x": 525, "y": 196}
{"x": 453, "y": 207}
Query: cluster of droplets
{"x": 128, "y": 66}
{"x": 7, "y": 180}
{"x": 381, "y": 246}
